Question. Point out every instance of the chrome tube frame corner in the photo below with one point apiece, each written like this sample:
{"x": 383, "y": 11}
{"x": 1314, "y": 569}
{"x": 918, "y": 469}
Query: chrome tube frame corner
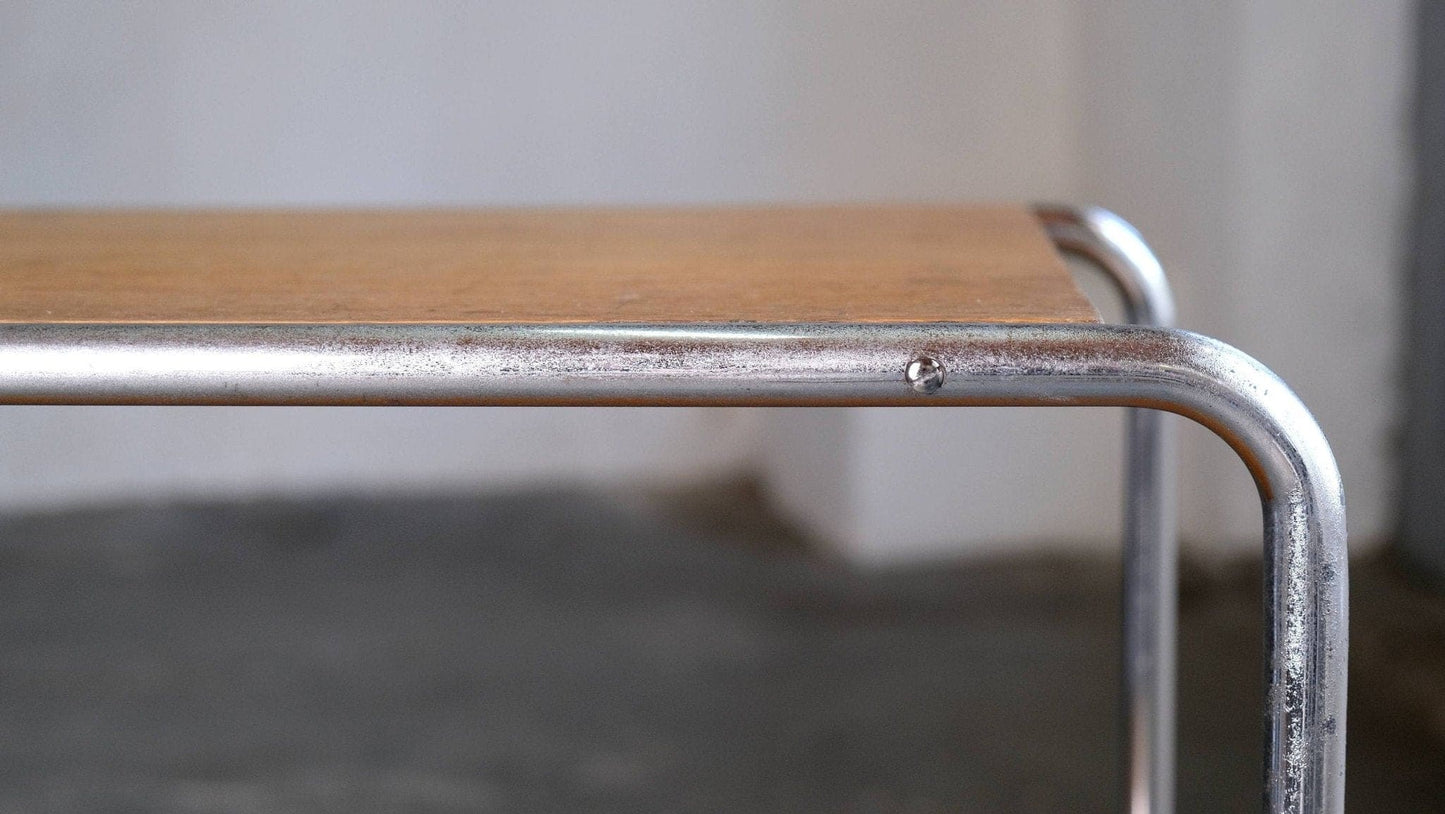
{"x": 933, "y": 364}
{"x": 1151, "y": 537}
{"x": 1150, "y": 595}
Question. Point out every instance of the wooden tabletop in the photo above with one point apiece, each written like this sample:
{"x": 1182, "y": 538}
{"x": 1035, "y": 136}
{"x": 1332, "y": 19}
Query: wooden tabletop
{"x": 819, "y": 264}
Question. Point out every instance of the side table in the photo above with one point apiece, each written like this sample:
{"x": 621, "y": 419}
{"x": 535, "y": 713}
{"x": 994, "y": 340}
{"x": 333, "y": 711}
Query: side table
{"x": 839, "y": 306}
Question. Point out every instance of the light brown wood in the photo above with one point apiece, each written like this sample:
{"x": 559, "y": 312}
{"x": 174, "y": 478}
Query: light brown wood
{"x": 822, "y": 264}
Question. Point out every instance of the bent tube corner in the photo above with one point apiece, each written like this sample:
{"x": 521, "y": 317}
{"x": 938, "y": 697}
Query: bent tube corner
{"x": 1115, "y": 246}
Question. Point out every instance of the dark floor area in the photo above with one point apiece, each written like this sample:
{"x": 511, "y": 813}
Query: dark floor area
{"x": 561, "y": 651}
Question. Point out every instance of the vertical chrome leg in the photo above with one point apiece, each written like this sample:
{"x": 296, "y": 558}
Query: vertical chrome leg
{"x": 1306, "y": 552}
{"x": 1150, "y": 528}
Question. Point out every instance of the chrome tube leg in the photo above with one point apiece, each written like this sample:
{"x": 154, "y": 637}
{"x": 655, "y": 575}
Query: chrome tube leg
{"x": 1306, "y": 550}
{"x": 1150, "y": 611}
{"x": 1150, "y": 559}
{"x": 1307, "y": 587}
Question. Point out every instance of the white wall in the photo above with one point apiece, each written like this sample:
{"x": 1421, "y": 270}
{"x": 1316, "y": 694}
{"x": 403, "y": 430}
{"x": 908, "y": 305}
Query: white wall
{"x": 57, "y": 456}
{"x": 1259, "y": 145}
{"x": 1263, "y": 148}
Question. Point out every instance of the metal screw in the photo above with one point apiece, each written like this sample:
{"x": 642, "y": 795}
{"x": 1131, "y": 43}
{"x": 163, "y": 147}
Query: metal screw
{"x": 925, "y": 374}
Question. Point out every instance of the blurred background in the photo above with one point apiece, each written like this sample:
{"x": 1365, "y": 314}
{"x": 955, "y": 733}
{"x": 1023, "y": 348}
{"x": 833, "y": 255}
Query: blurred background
{"x": 1265, "y": 149}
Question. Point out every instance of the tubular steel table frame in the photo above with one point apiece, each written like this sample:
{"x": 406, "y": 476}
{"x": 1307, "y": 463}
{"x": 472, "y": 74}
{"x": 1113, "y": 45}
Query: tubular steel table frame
{"x": 1149, "y": 367}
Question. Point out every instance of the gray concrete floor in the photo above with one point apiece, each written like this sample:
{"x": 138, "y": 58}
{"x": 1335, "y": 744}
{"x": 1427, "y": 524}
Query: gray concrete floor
{"x": 560, "y": 651}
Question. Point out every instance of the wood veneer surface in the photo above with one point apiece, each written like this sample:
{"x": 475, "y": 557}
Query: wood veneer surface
{"x": 818, "y": 264}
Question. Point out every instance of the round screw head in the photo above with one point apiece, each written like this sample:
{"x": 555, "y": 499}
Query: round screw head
{"x": 925, "y": 374}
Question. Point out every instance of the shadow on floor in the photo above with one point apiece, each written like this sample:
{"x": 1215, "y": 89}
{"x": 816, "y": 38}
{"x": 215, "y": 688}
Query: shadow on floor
{"x": 561, "y": 651}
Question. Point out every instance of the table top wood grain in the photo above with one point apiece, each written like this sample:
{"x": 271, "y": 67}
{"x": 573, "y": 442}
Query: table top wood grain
{"x": 848, "y": 264}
